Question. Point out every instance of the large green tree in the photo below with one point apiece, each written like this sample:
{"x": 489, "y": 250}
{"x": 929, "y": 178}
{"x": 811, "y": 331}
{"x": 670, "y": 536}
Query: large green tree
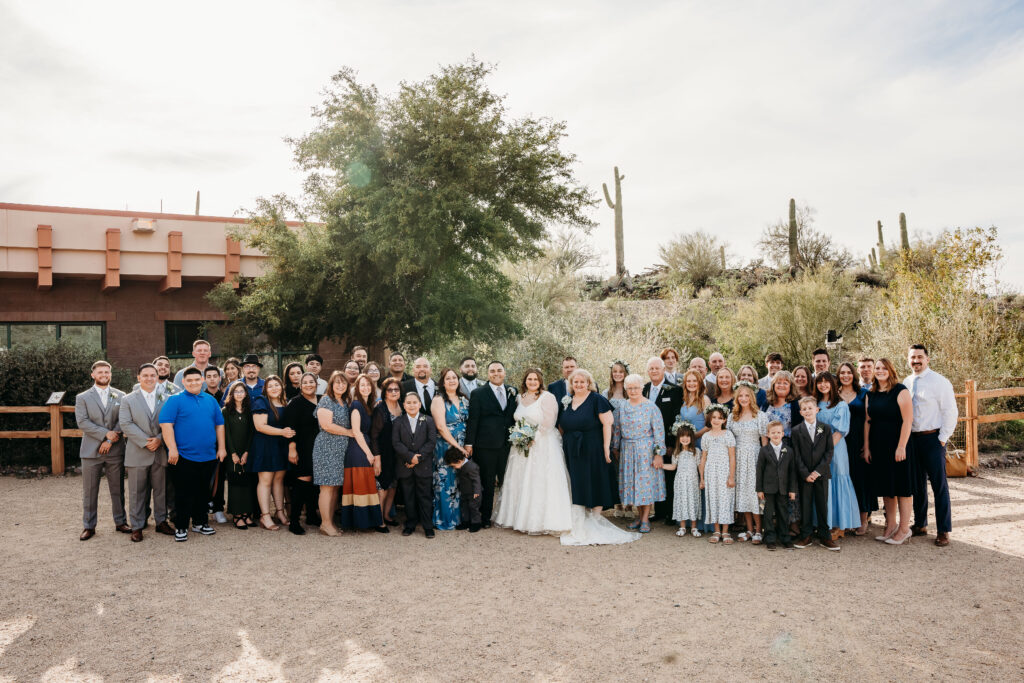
{"x": 414, "y": 202}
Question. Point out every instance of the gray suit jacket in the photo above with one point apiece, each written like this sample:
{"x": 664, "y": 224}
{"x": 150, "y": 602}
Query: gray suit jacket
{"x": 138, "y": 424}
{"x": 96, "y": 420}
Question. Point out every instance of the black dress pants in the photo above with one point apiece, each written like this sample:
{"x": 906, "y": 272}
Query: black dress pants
{"x": 776, "y": 518}
{"x": 191, "y": 491}
{"x": 419, "y": 501}
{"x": 492, "y": 463}
{"x": 814, "y": 501}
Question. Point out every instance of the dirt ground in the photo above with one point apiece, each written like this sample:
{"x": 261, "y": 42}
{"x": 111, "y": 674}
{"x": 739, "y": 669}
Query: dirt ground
{"x": 497, "y": 605}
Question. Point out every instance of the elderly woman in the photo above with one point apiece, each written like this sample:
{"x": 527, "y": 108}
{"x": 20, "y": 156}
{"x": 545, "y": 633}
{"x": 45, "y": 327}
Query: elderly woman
{"x": 586, "y": 426}
{"x": 638, "y": 438}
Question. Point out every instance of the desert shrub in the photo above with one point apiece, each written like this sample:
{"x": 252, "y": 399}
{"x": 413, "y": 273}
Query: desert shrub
{"x": 792, "y": 318}
{"x": 693, "y": 258}
{"x": 815, "y": 249}
{"x": 27, "y": 377}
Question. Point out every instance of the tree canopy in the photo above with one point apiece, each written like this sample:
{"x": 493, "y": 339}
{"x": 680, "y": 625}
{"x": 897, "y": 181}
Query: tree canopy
{"x": 415, "y": 201}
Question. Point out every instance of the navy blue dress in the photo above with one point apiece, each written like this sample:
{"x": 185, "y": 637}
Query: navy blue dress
{"x": 591, "y": 479}
{"x": 891, "y": 479}
{"x": 268, "y": 453}
{"x": 860, "y": 471}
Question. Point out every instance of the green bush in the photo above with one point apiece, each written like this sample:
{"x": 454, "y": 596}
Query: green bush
{"x": 28, "y": 375}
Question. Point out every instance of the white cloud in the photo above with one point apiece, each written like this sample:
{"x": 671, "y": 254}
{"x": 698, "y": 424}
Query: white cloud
{"x": 716, "y": 113}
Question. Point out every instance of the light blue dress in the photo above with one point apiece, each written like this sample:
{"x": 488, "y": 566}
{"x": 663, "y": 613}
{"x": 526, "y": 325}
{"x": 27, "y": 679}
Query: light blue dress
{"x": 843, "y": 508}
{"x": 638, "y": 434}
{"x": 446, "y": 479}
{"x": 783, "y": 414}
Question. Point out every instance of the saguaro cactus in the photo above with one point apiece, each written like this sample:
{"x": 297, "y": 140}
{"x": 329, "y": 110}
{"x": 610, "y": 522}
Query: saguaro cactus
{"x": 616, "y": 206}
{"x": 721, "y": 253}
{"x": 872, "y": 259}
{"x": 197, "y": 202}
{"x": 881, "y": 243}
{"x": 794, "y": 253}
{"x": 904, "y": 239}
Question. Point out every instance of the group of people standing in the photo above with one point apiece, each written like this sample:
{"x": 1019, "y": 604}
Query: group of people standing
{"x": 703, "y": 448}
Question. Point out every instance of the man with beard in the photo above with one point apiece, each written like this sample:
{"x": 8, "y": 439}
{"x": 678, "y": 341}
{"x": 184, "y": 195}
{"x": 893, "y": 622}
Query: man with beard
{"x": 360, "y": 356}
{"x": 468, "y": 382}
{"x": 164, "y": 386}
{"x": 98, "y": 412}
{"x": 396, "y": 364}
{"x": 250, "y": 377}
{"x": 201, "y": 352}
{"x": 421, "y": 384}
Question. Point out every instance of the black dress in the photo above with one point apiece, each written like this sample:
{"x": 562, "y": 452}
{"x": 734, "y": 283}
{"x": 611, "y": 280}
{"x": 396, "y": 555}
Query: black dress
{"x": 860, "y": 471}
{"x": 300, "y": 415}
{"x": 238, "y": 434}
{"x": 591, "y": 479}
{"x": 891, "y": 479}
{"x": 380, "y": 444}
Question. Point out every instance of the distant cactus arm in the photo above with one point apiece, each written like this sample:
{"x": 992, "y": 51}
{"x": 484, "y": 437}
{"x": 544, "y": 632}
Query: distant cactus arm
{"x": 607, "y": 197}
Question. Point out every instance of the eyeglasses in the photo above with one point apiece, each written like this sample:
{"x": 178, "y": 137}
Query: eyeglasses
{"x": 394, "y": 389}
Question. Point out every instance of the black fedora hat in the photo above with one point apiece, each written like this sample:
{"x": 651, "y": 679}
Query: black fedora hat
{"x": 251, "y": 359}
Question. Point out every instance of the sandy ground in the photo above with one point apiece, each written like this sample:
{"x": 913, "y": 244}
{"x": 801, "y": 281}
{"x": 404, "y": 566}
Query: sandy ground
{"x": 258, "y": 605}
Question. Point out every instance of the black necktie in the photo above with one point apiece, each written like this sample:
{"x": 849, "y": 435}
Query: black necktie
{"x": 426, "y": 397}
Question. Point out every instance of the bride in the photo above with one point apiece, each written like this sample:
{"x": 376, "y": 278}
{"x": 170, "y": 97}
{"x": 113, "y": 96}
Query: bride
{"x": 535, "y": 497}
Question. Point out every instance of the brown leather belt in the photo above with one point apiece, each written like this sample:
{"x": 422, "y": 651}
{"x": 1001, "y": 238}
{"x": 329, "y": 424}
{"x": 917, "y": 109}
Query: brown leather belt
{"x": 930, "y": 431}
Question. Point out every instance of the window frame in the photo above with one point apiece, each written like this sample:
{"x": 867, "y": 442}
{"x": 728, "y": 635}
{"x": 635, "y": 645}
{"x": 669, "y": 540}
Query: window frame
{"x": 59, "y": 329}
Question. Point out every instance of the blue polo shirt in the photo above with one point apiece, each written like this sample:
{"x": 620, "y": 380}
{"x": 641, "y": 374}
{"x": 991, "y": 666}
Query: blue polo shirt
{"x": 195, "y": 418}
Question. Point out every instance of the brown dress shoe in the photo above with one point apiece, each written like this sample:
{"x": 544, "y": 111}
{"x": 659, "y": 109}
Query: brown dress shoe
{"x": 124, "y": 528}
{"x": 829, "y": 544}
{"x": 87, "y": 534}
{"x": 919, "y": 530}
{"x": 136, "y": 535}
{"x": 165, "y": 528}
{"x": 942, "y": 540}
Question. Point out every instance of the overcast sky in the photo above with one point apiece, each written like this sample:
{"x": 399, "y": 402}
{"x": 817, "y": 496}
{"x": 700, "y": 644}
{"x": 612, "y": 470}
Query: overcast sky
{"x": 716, "y": 113}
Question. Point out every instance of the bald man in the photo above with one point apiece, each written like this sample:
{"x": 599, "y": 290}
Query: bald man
{"x": 421, "y": 383}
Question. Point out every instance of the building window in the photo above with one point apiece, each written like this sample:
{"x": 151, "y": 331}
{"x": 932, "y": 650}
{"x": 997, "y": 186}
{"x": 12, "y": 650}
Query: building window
{"x": 93, "y": 335}
{"x": 179, "y": 335}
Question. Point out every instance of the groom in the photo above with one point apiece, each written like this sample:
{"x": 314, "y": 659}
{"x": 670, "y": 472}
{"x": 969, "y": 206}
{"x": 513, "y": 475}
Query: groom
{"x": 491, "y": 413}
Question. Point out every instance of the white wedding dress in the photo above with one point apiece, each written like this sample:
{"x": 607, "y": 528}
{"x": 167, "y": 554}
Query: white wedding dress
{"x": 535, "y": 497}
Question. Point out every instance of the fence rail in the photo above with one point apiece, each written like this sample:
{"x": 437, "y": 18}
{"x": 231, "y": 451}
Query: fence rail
{"x": 969, "y": 417}
{"x": 56, "y": 433}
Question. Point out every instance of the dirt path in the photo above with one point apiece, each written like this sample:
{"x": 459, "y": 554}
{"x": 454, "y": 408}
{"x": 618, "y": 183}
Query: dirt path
{"x": 256, "y": 605}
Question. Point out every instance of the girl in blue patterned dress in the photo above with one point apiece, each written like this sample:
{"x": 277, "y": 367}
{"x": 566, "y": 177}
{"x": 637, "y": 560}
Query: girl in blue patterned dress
{"x": 843, "y": 509}
{"x": 638, "y": 436}
{"x": 450, "y": 410}
{"x": 686, "y": 463}
{"x": 718, "y": 469}
{"x": 695, "y": 402}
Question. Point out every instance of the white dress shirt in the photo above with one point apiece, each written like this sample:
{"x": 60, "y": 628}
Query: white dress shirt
{"x": 765, "y": 382}
{"x": 778, "y": 451}
{"x": 104, "y": 395}
{"x": 934, "y": 403}
{"x": 150, "y": 397}
{"x": 811, "y": 426}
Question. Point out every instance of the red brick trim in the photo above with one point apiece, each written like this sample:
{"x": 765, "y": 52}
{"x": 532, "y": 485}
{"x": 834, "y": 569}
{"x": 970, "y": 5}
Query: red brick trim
{"x": 57, "y": 317}
{"x": 189, "y": 315}
{"x": 44, "y": 255}
{"x": 112, "y": 279}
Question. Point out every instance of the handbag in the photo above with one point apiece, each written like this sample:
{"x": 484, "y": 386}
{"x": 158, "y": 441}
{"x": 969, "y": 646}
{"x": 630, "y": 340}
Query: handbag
{"x": 956, "y": 463}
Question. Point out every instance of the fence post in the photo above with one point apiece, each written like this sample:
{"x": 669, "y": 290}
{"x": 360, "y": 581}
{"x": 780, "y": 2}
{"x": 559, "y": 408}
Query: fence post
{"x": 971, "y": 424}
{"x": 56, "y": 442}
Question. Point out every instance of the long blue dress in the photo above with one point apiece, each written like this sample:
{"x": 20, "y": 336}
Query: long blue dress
{"x": 695, "y": 416}
{"x": 446, "y": 479}
{"x": 860, "y": 470}
{"x": 843, "y": 510}
{"x": 591, "y": 478}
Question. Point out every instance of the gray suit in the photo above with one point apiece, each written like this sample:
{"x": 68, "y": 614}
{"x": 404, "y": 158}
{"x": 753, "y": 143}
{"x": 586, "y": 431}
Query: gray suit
{"x": 147, "y": 470}
{"x": 95, "y": 420}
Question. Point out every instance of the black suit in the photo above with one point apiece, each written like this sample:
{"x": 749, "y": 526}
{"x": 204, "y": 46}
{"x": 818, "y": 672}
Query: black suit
{"x": 776, "y": 479}
{"x": 411, "y": 385}
{"x": 417, "y": 482}
{"x": 813, "y": 456}
{"x": 669, "y": 402}
{"x": 487, "y": 432}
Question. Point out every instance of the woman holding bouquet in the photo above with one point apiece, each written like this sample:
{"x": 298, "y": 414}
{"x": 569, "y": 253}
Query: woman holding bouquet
{"x": 535, "y": 498}
{"x": 638, "y": 436}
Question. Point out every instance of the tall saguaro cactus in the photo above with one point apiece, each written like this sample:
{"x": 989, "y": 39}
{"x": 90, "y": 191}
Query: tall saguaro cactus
{"x": 794, "y": 253}
{"x": 904, "y": 239}
{"x": 620, "y": 258}
{"x": 881, "y": 243}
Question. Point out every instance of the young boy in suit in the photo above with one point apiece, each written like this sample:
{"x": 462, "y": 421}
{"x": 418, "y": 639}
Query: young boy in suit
{"x": 413, "y": 436}
{"x": 776, "y": 483}
{"x": 470, "y": 489}
{"x": 812, "y": 444}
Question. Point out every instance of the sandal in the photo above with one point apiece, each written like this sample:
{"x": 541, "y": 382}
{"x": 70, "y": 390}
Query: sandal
{"x": 681, "y": 532}
{"x": 695, "y": 533}
{"x": 645, "y": 527}
{"x": 861, "y": 531}
{"x": 727, "y": 539}
{"x": 742, "y": 536}
{"x": 715, "y": 537}
{"x": 271, "y": 526}
{"x": 633, "y": 526}
{"x": 756, "y": 538}
{"x": 282, "y": 517}
{"x": 240, "y": 523}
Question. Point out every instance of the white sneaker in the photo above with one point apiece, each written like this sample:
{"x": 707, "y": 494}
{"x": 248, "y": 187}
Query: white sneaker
{"x": 205, "y": 529}
{"x": 220, "y": 518}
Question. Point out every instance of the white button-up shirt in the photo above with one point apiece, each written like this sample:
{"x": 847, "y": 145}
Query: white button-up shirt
{"x": 150, "y": 397}
{"x": 104, "y": 394}
{"x": 934, "y": 403}
{"x": 777, "y": 449}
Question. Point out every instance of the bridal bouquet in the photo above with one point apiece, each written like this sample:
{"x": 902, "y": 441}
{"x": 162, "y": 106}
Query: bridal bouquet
{"x": 522, "y": 435}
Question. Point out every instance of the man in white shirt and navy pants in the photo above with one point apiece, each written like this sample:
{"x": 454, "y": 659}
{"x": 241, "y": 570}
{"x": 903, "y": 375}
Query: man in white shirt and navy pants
{"x": 935, "y": 416}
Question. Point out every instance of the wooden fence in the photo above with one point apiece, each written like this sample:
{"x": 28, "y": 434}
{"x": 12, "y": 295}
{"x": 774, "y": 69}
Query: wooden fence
{"x": 970, "y": 416}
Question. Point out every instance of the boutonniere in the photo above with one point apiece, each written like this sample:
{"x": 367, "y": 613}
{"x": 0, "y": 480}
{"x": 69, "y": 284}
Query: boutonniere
{"x": 820, "y": 431}
{"x": 422, "y": 419}
{"x": 511, "y": 391}
{"x": 566, "y": 400}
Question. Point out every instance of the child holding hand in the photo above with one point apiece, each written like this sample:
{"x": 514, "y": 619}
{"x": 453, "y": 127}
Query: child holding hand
{"x": 686, "y": 463}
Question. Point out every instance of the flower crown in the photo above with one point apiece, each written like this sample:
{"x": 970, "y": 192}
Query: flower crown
{"x": 679, "y": 424}
{"x": 744, "y": 383}
{"x": 717, "y": 406}
{"x": 619, "y": 362}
